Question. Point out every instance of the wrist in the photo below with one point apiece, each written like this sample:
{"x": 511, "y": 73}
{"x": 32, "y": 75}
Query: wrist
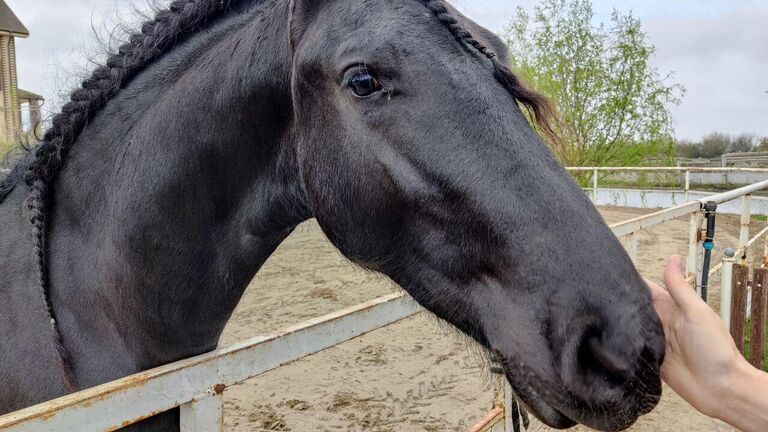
{"x": 734, "y": 394}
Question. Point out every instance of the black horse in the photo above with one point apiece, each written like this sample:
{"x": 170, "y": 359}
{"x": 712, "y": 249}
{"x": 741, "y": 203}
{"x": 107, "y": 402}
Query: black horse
{"x": 130, "y": 233}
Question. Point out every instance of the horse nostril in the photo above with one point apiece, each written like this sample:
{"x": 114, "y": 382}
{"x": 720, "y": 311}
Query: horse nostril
{"x": 602, "y": 361}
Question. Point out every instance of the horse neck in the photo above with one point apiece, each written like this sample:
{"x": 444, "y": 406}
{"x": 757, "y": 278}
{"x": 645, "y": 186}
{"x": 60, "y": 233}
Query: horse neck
{"x": 175, "y": 195}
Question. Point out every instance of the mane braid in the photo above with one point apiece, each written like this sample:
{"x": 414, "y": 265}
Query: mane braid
{"x": 540, "y": 109}
{"x": 169, "y": 28}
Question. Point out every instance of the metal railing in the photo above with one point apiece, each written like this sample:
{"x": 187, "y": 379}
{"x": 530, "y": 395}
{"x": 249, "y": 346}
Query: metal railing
{"x": 196, "y": 385}
{"x": 685, "y": 170}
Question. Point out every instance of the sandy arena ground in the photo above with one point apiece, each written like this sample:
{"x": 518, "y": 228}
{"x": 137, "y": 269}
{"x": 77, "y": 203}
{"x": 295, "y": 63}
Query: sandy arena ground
{"x": 417, "y": 375}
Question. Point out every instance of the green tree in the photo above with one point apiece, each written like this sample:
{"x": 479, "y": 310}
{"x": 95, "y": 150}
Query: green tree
{"x": 743, "y": 143}
{"x": 714, "y": 145}
{"x": 613, "y": 103}
{"x": 687, "y": 149}
{"x": 762, "y": 145}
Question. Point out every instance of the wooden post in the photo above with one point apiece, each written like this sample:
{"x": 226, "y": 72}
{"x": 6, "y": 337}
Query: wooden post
{"x": 739, "y": 304}
{"x": 757, "y": 325}
{"x": 765, "y": 252}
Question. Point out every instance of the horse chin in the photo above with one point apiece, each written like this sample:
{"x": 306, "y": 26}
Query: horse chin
{"x": 531, "y": 401}
{"x": 546, "y": 413}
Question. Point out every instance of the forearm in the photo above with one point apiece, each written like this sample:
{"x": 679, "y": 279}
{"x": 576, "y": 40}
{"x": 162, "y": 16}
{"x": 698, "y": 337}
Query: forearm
{"x": 745, "y": 402}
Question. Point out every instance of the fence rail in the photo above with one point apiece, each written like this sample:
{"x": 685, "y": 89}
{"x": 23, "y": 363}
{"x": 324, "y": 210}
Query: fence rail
{"x": 671, "y": 169}
{"x": 196, "y": 385}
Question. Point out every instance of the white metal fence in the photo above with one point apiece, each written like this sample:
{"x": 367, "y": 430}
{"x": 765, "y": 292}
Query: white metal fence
{"x": 686, "y": 171}
{"x": 630, "y": 228}
{"x": 196, "y": 385}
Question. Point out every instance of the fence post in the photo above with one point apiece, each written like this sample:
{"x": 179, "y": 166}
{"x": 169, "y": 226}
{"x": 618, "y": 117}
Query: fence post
{"x": 757, "y": 321}
{"x": 205, "y": 414}
{"x": 765, "y": 252}
{"x": 694, "y": 248}
{"x": 746, "y": 215}
{"x": 594, "y": 186}
{"x": 726, "y": 284}
{"x": 687, "y": 184}
{"x": 633, "y": 247}
{"x": 739, "y": 304}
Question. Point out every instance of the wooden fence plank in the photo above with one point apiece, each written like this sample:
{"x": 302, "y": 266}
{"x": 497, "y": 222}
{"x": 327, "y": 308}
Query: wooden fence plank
{"x": 739, "y": 304}
{"x": 757, "y": 326}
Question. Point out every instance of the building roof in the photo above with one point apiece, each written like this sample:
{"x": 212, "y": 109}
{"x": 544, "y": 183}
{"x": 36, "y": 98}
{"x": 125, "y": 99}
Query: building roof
{"x": 10, "y": 23}
{"x": 28, "y": 95}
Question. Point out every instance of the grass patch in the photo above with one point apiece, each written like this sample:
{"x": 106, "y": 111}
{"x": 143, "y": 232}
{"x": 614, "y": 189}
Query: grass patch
{"x": 747, "y": 326}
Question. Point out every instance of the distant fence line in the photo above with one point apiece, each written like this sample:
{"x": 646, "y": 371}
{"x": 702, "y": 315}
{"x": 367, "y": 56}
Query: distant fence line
{"x": 683, "y": 175}
{"x": 753, "y": 159}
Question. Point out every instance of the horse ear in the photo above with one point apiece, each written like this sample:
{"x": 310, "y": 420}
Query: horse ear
{"x": 302, "y": 14}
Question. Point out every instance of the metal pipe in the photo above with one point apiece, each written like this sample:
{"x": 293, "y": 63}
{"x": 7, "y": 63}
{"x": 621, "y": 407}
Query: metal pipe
{"x": 594, "y": 186}
{"x": 687, "y": 184}
{"x": 691, "y": 264}
{"x": 726, "y": 284}
{"x": 633, "y": 246}
{"x": 733, "y": 194}
{"x": 620, "y": 229}
{"x": 710, "y": 212}
{"x": 204, "y": 414}
{"x": 746, "y": 215}
{"x": 671, "y": 169}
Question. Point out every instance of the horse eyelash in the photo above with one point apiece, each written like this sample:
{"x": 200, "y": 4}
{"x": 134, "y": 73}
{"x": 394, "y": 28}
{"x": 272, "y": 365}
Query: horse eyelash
{"x": 364, "y": 68}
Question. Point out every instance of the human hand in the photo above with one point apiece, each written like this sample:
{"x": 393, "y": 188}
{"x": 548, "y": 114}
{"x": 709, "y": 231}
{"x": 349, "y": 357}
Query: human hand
{"x": 702, "y": 363}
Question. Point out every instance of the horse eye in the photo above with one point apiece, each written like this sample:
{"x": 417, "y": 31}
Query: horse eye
{"x": 363, "y": 84}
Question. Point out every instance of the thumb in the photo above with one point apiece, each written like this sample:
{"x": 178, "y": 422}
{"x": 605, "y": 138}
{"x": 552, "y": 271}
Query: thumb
{"x": 674, "y": 278}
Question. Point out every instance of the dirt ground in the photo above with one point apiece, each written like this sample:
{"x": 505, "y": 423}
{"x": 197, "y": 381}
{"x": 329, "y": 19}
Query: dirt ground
{"x": 417, "y": 375}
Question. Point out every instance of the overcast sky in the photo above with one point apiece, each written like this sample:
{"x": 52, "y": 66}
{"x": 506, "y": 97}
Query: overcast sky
{"x": 717, "y": 48}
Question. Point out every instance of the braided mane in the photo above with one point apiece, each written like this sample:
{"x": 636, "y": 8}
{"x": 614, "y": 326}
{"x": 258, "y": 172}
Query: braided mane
{"x": 169, "y": 28}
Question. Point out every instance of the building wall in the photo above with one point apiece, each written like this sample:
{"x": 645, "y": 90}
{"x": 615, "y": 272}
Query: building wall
{"x": 15, "y": 112}
{"x": 10, "y": 117}
{"x": 4, "y": 85}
